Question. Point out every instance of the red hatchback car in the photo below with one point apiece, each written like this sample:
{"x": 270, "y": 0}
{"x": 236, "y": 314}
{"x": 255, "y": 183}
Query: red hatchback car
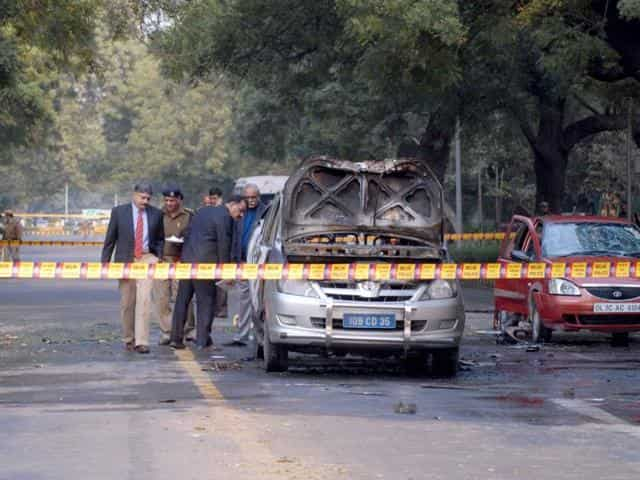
{"x": 608, "y": 305}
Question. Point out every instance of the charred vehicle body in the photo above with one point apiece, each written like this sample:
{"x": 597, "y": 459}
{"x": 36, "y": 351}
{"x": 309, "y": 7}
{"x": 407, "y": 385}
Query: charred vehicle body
{"x": 335, "y": 211}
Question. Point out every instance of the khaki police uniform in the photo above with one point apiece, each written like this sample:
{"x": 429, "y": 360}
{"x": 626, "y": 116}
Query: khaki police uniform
{"x": 12, "y": 231}
{"x": 165, "y": 290}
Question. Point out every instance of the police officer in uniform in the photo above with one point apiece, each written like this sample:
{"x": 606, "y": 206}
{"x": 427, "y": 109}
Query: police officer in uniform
{"x": 176, "y": 221}
{"x": 12, "y": 231}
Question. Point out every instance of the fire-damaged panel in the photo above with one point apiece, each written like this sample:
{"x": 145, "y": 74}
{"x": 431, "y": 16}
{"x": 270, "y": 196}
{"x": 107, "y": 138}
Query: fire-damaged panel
{"x": 391, "y": 203}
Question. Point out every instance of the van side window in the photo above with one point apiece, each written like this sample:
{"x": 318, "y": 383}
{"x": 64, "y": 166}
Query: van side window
{"x": 270, "y": 226}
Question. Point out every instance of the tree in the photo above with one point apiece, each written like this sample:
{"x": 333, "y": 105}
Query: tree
{"x": 358, "y": 78}
{"x": 122, "y": 121}
{"x": 536, "y": 63}
{"x": 40, "y": 39}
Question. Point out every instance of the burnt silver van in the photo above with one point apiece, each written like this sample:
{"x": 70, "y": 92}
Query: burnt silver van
{"x": 336, "y": 211}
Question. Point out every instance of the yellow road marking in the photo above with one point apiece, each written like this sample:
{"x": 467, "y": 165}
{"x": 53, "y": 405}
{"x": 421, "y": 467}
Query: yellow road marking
{"x": 250, "y": 434}
{"x": 200, "y": 379}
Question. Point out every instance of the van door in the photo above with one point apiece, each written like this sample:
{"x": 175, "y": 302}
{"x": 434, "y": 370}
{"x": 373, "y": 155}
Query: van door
{"x": 263, "y": 246}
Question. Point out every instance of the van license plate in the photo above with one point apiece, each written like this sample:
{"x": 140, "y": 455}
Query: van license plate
{"x": 363, "y": 320}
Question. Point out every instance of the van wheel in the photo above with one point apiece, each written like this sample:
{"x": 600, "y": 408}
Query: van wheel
{"x": 258, "y": 350}
{"x": 276, "y": 357}
{"x": 416, "y": 364}
{"x": 539, "y": 333}
{"x": 445, "y": 362}
{"x": 258, "y": 338}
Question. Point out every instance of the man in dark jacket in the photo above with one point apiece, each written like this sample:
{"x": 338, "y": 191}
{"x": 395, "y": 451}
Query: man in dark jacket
{"x": 136, "y": 231}
{"x": 207, "y": 240}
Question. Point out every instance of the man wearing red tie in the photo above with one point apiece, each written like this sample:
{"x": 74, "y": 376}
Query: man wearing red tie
{"x": 136, "y": 231}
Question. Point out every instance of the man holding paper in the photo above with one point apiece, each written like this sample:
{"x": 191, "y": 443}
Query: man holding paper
{"x": 208, "y": 240}
{"x": 176, "y": 221}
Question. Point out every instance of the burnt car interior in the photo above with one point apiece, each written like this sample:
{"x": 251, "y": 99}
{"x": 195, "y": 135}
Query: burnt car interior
{"x": 337, "y": 210}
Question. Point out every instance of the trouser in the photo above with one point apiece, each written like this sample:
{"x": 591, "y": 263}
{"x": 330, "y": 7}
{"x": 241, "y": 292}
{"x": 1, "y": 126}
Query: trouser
{"x": 10, "y": 254}
{"x": 205, "y": 291}
{"x": 221, "y": 302}
{"x": 164, "y": 296}
{"x": 136, "y": 307}
{"x": 241, "y": 309}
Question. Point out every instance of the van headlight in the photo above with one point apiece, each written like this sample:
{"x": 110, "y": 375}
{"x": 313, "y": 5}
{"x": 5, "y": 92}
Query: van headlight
{"x": 560, "y": 286}
{"x": 300, "y": 288}
{"x": 439, "y": 289}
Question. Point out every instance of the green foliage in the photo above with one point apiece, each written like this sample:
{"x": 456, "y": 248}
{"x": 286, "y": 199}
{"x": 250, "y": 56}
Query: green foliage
{"x": 354, "y": 78}
{"x": 39, "y": 38}
{"x": 239, "y": 87}
{"x": 121, "y": 123}
{"x": 481, "y": 251}
{"x": 630, "y": 9}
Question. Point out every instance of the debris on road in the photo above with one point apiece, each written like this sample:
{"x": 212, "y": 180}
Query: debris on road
{"x": 285, "y": 460}
{"x": 221, "y": 366}
{"x": 369, "y": 394}
{"x": 405, "y": 408}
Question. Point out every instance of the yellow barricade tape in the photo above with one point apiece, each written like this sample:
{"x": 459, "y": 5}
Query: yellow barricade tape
{"x": 453, "y": 237}
{"x": 380, "y": 272}
{"x": 49, "y": 243}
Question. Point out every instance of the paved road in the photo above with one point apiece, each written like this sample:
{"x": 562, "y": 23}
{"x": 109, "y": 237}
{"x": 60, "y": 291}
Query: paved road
{"x": 73, "y": 404}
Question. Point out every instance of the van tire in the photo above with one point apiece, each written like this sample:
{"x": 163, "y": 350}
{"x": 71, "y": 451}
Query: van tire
{"x": 416, "y": 364}
{"x": 445, "y": 362}
{"x": 276, "y": 357}
{"x": 258, "y": 338}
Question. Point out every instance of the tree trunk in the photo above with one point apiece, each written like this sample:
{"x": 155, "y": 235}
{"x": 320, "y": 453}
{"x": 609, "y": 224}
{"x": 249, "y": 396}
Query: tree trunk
{"x": 550, "y": 156}
{"x": 433, "y": 150}
{"x": 551, "y": 169}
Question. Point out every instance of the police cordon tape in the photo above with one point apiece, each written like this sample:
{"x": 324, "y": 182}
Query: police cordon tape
{"x": 73, "y": 243}
{"x": 316, "y": 271}
{"x": 48, "y": 243}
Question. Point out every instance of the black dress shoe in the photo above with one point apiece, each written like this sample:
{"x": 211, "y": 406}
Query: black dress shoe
{"x": 130, "y": 347}
{"x": 164, "y": 341}
{"x": 202, "y": 345}
{"x": 177, "y": 345}
{"x": 142, "y": 349}
{"x": 235, "y": 343}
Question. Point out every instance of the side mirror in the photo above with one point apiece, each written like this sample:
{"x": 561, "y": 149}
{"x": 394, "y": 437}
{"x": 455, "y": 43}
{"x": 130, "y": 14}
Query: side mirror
{"x": 520, "y": 256}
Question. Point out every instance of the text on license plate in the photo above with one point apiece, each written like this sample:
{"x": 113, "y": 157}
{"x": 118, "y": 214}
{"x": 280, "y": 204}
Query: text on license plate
{"x": 363, "y": 320}
{"x": 616, "y": 307}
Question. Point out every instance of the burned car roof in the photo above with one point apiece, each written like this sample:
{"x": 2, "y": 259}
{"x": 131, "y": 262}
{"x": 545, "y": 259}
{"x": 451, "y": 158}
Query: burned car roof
{"x": 399, "y": 196}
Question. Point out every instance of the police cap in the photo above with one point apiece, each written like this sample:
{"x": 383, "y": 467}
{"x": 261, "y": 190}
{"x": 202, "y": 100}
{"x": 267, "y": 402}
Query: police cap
{"x": 172, "y": 190}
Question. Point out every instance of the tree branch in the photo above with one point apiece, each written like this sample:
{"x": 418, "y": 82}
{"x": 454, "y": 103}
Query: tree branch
{"x": 524, "y": 124}
{"x": 608, "y": 75}
{"x": 586, "y": 104}
{"x": 578, "y": 131}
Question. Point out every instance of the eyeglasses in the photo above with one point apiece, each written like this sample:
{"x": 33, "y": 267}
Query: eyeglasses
{"x": 252, "y": 197}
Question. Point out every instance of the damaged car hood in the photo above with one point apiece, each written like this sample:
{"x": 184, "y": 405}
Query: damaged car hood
{"x": 400, "y": 198}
